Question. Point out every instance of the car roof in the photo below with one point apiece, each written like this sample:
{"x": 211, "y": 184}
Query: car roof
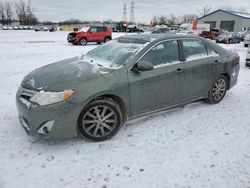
{"x": 155, "y": 38}
{"x": 144, "y": 38}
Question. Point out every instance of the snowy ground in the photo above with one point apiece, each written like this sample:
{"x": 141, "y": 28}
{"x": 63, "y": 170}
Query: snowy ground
{"x": 199, "y": 145}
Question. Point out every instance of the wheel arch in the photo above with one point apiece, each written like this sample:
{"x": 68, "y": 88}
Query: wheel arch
{"x": 228, "y": 78}
{"x": 114, "y": 97}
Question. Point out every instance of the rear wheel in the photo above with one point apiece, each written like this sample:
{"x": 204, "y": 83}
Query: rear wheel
{"x": 83, "y": 42}
{"x": 246, "y": 45}
{"x": 218, "y": 90}
{"x": 100, "y": 120}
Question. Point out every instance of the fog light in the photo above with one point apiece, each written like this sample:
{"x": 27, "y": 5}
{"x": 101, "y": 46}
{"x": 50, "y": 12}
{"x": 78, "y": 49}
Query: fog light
{"x": 46, "y": 127}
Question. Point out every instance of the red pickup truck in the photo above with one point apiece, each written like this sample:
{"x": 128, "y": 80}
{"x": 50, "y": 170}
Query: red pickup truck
{"x": 90, "y": 34}
{"x": 212, "y": 34}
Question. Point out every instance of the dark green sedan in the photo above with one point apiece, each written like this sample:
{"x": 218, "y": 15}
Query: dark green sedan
{"x": 93, "y": 95}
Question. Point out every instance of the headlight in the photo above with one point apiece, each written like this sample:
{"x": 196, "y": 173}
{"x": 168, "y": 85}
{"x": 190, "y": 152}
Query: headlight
{"x": 45, "y": 98}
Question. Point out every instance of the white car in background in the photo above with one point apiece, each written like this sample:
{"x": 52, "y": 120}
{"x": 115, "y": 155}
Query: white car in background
{"x": 184, "y": 32}
{"x": 247, "y": 40}
{"x": 248, "y": 58}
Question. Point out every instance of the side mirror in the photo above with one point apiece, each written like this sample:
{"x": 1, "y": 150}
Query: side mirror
{"x": 144, "y": 65}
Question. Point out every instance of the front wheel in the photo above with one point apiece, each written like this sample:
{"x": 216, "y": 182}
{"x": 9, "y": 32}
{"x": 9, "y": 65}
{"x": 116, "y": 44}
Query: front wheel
{"x": 100, "y": 120}
{"x": 218, "y": 90}
{"x": 83, "y": 42}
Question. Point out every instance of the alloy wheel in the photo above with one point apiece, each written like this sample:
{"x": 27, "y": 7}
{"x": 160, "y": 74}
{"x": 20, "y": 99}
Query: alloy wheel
{"x": 219, "y": 89}
{"x": 99, "y": 121}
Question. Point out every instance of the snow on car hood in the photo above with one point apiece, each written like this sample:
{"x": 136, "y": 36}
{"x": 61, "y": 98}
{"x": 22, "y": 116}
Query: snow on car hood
{"x": 63, "y": 74}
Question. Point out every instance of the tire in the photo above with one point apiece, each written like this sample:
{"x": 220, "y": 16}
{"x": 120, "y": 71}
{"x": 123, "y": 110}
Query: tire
{"x": 246, "y": 45}
{"x": 107, "y": 39}
{"x": 100, "y": 120}
{"x": 83, "y": 42}
{"x": 98, "y": 42}
{"x": 218, "y": 90}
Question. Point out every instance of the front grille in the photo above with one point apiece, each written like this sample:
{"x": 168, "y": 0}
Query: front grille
{"x": 26, "y": 93}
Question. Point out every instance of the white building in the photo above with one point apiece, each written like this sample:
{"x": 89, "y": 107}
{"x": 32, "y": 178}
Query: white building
{"x": 227, "y": 20}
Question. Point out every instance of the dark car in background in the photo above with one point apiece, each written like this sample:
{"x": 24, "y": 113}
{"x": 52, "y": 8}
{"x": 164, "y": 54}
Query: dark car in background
{"x": 212, "y": 34}
{"x": 97, "y": 34}
{"x": 41, "y": 28}
{"x": 158, "y": 30}
{"x": 135, "y": 75}
{"x": 228, "y": 38}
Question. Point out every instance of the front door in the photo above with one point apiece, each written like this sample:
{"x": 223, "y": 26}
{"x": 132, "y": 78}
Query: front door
{"x": 161, "y": 86}
{"x": 93, "y": 34}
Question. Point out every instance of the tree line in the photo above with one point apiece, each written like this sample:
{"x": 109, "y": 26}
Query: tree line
{"x": 20, "y": 10}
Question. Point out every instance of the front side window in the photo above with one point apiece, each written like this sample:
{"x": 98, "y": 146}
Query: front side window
{"x": 194, "y": 49}
{"x": 163, "y": 53}
{"x": 93, "y": 30}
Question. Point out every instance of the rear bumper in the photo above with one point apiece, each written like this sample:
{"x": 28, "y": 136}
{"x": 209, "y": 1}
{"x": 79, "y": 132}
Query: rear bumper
{"x": 234, "y": 75}
{"x": 247, "y": 62}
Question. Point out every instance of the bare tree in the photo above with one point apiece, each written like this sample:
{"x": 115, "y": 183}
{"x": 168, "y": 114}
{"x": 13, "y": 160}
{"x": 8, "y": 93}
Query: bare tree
{"x": 154, "y": 21}
{"x": 6, "y": 12}
{"x": 162, "y": 20}
{"x": 172, "y": 20}
{"x": 25, "y": 12}
{"x": 188, "y": 18}
{"x": 205, "y": 10}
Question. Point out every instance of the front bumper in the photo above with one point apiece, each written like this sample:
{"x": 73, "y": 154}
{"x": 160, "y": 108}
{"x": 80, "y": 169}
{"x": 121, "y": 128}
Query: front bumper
{"x": 71, "y": 39}
{"x": 61, "y": 117}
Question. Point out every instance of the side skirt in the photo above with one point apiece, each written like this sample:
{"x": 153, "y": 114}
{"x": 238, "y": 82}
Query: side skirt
{"x": 165, "y": 108}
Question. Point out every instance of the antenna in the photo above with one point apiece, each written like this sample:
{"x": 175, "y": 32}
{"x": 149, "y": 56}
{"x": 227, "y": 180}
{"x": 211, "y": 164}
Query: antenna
{"x": 132, "y": 13}
{"x": 124, "y": 13}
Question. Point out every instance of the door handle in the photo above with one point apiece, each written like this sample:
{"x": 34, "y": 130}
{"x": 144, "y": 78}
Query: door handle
{"x": 216, "y": 62}
{"x": 179, "y": 70}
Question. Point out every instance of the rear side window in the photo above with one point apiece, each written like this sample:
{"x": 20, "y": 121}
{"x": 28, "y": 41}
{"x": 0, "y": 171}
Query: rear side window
{"x": 194, "y": 49}
{"x": 101, "y": 29}
{"x": 163, "y": 53}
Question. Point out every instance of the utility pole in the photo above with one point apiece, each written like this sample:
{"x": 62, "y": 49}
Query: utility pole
{"x": 124, "y": 19}
{"x": 132, "y": 13}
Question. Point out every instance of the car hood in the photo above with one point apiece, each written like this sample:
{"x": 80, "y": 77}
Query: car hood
{"x": 64, "y": 75}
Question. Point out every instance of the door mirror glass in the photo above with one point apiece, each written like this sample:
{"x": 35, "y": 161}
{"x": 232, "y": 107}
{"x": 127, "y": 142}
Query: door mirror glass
{"x": 144, "y": 65}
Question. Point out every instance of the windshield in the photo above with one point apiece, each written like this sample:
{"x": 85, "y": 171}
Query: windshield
{"x": 84, "y": 29}
{"x": 114, "y": 52}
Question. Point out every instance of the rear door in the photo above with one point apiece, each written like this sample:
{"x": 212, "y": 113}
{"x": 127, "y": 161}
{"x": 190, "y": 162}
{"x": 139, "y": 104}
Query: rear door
{"x": 161, "y": 86}
{"x": 203, "y": 65}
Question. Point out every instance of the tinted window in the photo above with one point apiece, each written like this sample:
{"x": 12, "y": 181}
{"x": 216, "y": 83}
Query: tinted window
{"x": 101, "y": 29}
{"x": 163, "y": 53}
{"x": 194, "y": 49}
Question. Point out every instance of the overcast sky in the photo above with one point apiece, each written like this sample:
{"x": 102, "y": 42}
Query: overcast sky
{"x": 59, "y": 10}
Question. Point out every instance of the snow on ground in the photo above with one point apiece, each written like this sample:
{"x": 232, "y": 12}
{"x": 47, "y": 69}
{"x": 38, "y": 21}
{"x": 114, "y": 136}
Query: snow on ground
{"x": 199, "y": 145}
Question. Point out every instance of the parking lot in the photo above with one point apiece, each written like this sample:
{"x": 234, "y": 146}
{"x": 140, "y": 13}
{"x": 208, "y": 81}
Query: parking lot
{"x": 198, "y": 145}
